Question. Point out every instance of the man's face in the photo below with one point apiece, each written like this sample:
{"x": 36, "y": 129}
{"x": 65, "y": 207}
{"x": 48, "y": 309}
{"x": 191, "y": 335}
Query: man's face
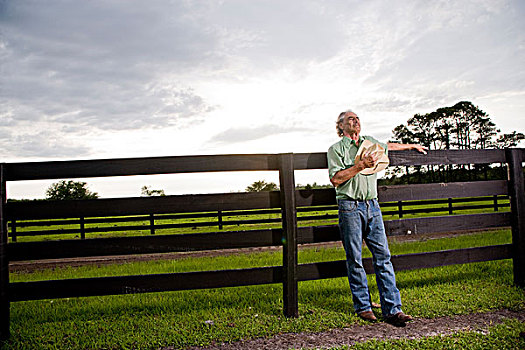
{"x": 351, "y": 124}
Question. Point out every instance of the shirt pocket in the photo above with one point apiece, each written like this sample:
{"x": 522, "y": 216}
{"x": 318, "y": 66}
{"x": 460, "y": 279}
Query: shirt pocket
{"x": 348, "y": 160}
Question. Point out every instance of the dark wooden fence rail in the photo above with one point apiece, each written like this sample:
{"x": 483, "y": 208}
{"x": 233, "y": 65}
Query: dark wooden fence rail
{"x": 288, "y": 201}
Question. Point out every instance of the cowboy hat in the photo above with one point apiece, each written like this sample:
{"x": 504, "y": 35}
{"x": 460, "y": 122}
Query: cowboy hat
{"x": 368, "y": 147}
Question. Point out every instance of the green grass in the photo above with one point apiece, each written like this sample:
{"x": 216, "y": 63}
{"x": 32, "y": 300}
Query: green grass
{"x": 457, "y": 208}
{"x": 186, "y": 318}
{"x": 237, "y": 261}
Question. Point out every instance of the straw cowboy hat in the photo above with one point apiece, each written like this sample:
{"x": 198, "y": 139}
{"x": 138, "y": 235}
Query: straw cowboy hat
{"x": 368, "y": 147}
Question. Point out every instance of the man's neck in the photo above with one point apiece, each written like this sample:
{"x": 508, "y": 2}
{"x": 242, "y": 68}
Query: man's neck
{"x": 354, "y": 137}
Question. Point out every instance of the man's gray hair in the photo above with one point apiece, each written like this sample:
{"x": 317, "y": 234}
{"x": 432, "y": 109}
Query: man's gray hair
{"x": 340, "y": 120}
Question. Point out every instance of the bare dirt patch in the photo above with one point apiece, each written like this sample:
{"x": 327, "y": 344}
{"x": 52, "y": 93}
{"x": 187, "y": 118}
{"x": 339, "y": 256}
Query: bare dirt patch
{"x": 30, "y": 266}
{"x": 419, "y": 328}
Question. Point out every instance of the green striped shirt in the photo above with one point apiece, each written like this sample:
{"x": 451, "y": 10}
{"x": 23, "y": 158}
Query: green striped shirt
{"x": 341, "y": 156}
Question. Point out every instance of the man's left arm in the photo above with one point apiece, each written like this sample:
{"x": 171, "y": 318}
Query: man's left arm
{"x": 392, "y": 146}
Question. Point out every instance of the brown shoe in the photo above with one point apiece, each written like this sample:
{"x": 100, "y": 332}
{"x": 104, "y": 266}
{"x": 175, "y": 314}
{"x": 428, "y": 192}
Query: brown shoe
{"x": 375, "y": 305}
{"x": 404, "y": 317}
{"x": 367, "y": 316}
{"x": 398, "y": 320}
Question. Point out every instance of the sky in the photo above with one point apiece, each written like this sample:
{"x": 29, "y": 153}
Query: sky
{"x": 128, "y": 78}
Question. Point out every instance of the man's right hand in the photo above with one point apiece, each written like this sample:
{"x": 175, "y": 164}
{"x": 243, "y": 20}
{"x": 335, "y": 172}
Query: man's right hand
{"x": 369, "y": 161}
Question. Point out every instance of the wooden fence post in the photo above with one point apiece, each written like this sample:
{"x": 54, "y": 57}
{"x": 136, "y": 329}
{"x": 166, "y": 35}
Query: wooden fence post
{"x": 82, "y": 228}
{"x": 219, "y": 219}
{"x": 517, "y": 206}
{"x": 4, "y": 262}
{"x": 13, "y": 230}
{"x": 400, "y": 209}
{"x": 289, "y": 219}
{"x": 152, "y": 223}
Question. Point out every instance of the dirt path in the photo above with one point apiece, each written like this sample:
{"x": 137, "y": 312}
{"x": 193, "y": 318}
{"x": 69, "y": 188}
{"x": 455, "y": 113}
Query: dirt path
{"x": 35, "y": 265}
{"x": 30, "y": 266}
{"x": 420, "y": 327}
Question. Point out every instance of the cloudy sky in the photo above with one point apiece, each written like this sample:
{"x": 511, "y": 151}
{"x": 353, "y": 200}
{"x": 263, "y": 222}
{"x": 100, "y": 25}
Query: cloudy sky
{"x": 118, "y": 78}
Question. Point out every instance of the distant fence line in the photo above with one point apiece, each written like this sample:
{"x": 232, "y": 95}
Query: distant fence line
{"x": 288, "y": 201}
{"x": 221, "y": 219}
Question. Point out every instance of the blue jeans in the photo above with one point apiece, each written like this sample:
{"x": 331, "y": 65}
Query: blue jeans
{"x": 358, "y": 221}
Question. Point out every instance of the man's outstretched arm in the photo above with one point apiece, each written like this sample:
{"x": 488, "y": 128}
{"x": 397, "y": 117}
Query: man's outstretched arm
{"x": 392, "y": 146}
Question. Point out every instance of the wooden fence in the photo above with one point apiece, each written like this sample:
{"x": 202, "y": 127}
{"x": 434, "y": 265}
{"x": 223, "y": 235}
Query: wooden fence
{"x": 288, "y": 201}
{"x": 224, "y": 220}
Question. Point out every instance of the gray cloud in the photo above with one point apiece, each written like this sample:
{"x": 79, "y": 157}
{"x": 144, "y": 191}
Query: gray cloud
{"x": 430, "y": 98}
{"x": 101, "y": 35}
{"x": 101, "y": 64}
{"x": 4, "y": 135}
{"x": 277, "y": 31}
{"x": 244, "y": 134}
{"x": 93, "y": 63}
{"x": 42, "y": 144}
{"x": 114, "y": 110}
{"x": 390, "y": 103}
{"x": 470, "y": 43}
{"x": 123, "y": 111}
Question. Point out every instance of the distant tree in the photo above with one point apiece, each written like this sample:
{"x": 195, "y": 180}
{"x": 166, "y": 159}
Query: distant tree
{"x": 443, "y": 128}
{"x": 472, "y": 127}
{"x": 147, "y": 192}
{"x": 420, "y": 129}
{"x": 485, "y": 131}
{"x": 510, "y": 140}
{"x": 312, "y": 186}
{"x": 403, "y": 134}
{"x": 262, "y": 185}
{"x": 67, "y": 190}
{"x": 25, "y": 200}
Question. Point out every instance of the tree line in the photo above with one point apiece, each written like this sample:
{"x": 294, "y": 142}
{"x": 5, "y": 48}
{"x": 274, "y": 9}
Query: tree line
{"x": 461, "y": 126}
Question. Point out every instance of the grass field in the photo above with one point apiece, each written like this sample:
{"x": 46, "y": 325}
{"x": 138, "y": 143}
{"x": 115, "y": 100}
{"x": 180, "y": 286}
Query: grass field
{"x": 180, "y": 319}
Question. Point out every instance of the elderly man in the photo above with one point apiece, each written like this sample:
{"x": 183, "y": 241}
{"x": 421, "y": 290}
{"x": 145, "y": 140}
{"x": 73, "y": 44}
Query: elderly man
{"x": 360, "y": 218}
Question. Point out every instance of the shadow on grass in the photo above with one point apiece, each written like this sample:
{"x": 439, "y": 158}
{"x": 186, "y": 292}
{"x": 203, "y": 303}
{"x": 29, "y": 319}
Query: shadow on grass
{"x": 500, "y": 270}
{"x": 325, "y": 294}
